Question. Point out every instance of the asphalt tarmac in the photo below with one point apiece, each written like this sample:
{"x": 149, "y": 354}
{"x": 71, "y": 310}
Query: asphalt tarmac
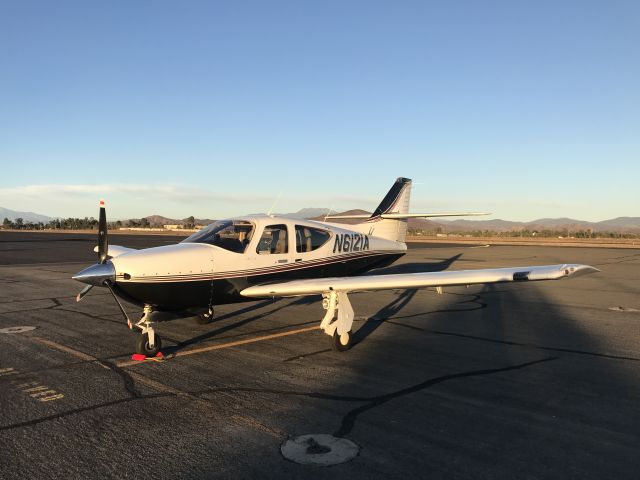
{"x": 527, "y": 380}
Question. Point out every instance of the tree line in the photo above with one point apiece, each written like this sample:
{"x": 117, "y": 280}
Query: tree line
{"x": 548, "y": 233}
{"x": 86, "y": 223}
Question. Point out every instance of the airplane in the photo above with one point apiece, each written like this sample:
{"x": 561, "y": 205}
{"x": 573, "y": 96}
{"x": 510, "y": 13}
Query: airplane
{"x": 264, "y": 256}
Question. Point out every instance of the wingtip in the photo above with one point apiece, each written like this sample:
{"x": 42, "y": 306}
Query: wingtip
{"x": 577, "y": 270}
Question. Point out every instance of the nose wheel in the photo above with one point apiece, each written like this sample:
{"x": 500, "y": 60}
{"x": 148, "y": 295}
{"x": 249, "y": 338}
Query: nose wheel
{"x": 149, "y": 342}
{"x": 144, "y": 347}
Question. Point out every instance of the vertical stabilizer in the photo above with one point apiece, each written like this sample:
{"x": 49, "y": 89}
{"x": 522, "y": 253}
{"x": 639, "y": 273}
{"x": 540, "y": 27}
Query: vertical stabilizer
{"x": 396, "y": 200}
{"x": 394, "y": 203}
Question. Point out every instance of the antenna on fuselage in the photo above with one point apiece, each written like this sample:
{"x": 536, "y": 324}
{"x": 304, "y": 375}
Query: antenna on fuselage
{"x": 275, "y": 202}
{"x": 328, "y": 213}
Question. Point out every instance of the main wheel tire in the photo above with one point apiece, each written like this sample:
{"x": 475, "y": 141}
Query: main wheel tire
{"x": 143, "y": 347}
{"x": 205, "y": 317}
{"x": 341, "y": 343}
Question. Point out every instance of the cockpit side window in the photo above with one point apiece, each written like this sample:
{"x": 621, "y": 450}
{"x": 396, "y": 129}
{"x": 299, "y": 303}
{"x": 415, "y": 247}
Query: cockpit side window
{"x": 273, "y": 240}
{"x": 309, "y": 239}
{"x": 232, "y": 235}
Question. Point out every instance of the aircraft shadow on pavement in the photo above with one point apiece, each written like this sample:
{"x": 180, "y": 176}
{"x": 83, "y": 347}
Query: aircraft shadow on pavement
{"x": 225, "y": 328}
{"x": 391, "y": 309}
{"x": 539, "y": 361}
{"x": 396, "y": 306}
{"x": 416, "y": 267}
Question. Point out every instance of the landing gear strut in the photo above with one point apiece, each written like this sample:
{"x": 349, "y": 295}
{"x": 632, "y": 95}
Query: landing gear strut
{"x": 149, "y": 343}
{"x": 339, "y": 329}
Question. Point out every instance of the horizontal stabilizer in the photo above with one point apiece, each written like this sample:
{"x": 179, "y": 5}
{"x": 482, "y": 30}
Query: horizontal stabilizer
{"x": 399, "y": 216}
{"x": 417, "y": 280}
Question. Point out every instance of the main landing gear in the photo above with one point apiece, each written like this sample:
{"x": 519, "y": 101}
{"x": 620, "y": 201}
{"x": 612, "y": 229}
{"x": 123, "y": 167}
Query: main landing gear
{"x": 205, "y": 317}
{"x": 339, "y": 329}
{"x": 149, "y": 343}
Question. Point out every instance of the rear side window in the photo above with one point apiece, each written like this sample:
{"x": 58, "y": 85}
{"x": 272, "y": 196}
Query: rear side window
{"x": 273, "y": 240}
{"x": 309, "y": 239}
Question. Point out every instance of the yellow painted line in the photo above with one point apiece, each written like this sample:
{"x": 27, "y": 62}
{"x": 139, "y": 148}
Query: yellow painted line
{"x": 45, "y": 393}
{"x": 36, "y": 389}
{"x": 161, "y": 387}
{"x": 63, "y": 348}
{"x": 256, "y": 425}
{"x": 84, "y": 356}
{"x": 52, "y": 397}
{"x": 236, "y": 343}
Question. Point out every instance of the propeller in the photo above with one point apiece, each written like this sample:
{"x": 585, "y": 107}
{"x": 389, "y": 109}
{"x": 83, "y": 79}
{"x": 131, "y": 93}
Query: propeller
{"x": 103, "y": 246}
{"x": 83, "y": 292}
{"x": 103, "y": 242}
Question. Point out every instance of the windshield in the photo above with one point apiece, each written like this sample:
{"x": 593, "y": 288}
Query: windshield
{"x": 232, "y": 235}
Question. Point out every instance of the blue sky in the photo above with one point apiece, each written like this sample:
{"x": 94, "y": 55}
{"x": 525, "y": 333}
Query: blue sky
{"x": 526, "y": 109}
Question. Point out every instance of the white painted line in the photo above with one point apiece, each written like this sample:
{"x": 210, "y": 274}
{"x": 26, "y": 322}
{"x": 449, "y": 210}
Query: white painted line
{"x": 12, "y": 330}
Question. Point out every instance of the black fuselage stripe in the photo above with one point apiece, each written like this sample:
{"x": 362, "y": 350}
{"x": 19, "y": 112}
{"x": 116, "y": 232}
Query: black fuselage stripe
{"x": 256, "y": 272}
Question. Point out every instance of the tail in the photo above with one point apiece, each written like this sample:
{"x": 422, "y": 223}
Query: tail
{"x": 394, "y": 204}
{"x": 389, "y": 219}
{"x": 396, "y": 201}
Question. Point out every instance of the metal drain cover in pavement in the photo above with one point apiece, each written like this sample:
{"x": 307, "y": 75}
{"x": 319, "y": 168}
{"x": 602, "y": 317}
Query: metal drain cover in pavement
{"x": 624, "y": 309}
{"x": 319, "y": 449}
{"x": 16, "y": 329}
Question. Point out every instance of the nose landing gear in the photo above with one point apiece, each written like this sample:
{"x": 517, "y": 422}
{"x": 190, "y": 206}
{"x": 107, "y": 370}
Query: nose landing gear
{"x": 149, "y": 343}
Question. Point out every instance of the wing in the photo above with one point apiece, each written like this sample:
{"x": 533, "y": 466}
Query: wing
{"x": 417, "y": 280}
{"x": 116, "y": 250}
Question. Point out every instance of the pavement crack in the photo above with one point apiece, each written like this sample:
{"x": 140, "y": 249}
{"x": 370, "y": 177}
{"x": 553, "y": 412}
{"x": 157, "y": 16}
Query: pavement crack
{"x": 127, "y": 381}
{"x": 76, "y": 411}
{"x": 349, "y": 420}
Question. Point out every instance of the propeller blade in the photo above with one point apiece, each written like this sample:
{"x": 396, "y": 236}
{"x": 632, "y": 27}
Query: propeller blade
{"x": 83, "y": 292}
{"x": 103, "y": 242}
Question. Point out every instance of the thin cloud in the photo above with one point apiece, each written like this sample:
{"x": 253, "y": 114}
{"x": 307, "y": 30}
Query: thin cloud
{"x": 129, "y": 200}
{"x": 179, "y": 193}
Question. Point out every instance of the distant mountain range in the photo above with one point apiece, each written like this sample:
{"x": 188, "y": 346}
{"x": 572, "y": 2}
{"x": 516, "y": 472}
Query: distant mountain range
{"x": 306, "y": 213}
{"x": 26, "y": 216}
{"x": 620, "y": 224}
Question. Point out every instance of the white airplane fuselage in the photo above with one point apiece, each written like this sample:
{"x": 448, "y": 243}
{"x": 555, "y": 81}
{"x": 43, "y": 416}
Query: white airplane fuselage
{"x": 195, "y": 274}
{"x": 263, "y": 256}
